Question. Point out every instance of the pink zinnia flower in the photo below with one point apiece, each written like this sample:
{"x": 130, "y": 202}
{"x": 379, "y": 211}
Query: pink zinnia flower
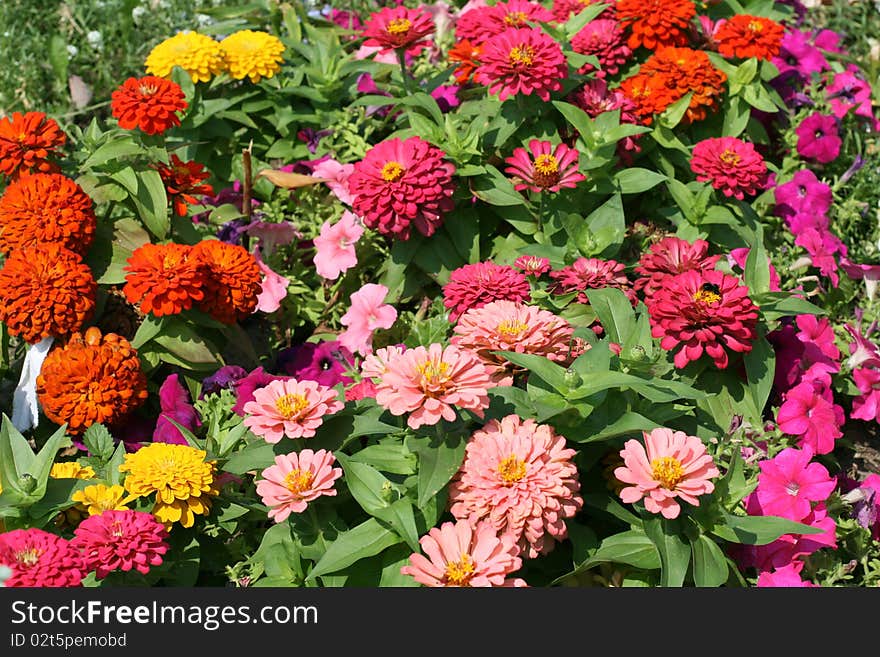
{"x": 120, "y": 540}
{"x": 590, "y": 274}
{"x": 732, "y": 166}
{"x": 668, "y": 257}
{"x": 397, "y": 27}
{"x": 461, "y": 555}
{"x": 244, "y": 387}
{"x": 867, "y": 405}
{"x": 290, "y": 408}
{"x": 787, "y": 576}
{"x": 360, "y": 390}
{"x": 335, "y": 175}
{"x": 565, "y": 9}
{"x": 703, "y": 311}
{"x": 670, "y": 465}
{"x": 400, "y": 183}
{"x": 519, "y": 475}
{"x": 39, "y": 559}
{"x": 334, "y": 247}
{"x": 376, "y": 365}
{"x": 273, "y": 289}
{"x": 818, "y": 139}
{"x": 532, "y": 265}
{"x": 428, "y": 383}
{"x": 473, "y": 286}
{"x": 606, "y": 40}
{"x": 809, "y": 412}
{"x": 482, "y": 23}
{"x": 297, "y": 479}
{"x": 521, "y": 61}
{"x": 367, "y": 313}
{"x": 543, "y": 168}
{"x": 788, "y": 483}
{"x": 512, "y": 326}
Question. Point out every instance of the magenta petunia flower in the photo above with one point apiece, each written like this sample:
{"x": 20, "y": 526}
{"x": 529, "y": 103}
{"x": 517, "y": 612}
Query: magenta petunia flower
{"x": 482, "y": 23}
{"x": 532, "y": 265}
{"x": 809, "y": 412}
{"x": 591, "y": 274}
{"x": 175, "y": 405}
{"x": 521, "y": 61}
{"x": 400, "y": 183}
{"x": 798, "y": 55}
{"x": 290, "y": 408}
{"x": 391, "y": 28}
{"x": 325, "y": 362}
{"x": 788, "y": 484}
{"x": 297, "y": 479}
{"x": 367, "y": 313}
{"x": 849, "y": 91}
{"x": 818, "y": 139}
{"x": 867, "y": 405}
{"x": 868, "y": 273}
{"x": 733, "y": 166}
{"x": 786, "y": 577}
{"x": 543, "y": 167}
{"x": 863, "y": 352}
{"x": 670, "y": 465}
{"x": 245, "y": 386}
{"x": 120, "y": 540}
{"x": 803, "y": 202}
{"x": 475, "y": 285}
{"x": 668, "y": 257}
{"x": 334, "y": 246}
{"x": 459, "y": 554}
{"x": 606, "y": 40}
{"x": 822, "y": 247}
{"x": 520, "y": 476}
{"x": 39, "y": 559}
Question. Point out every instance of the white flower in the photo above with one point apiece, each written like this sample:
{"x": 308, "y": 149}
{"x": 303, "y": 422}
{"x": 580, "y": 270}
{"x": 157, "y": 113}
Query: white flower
{"x": 72, "y": 50}
{"x": 204, "y": 20}
{"x": 95, "y": 39}
{"x": 137, "y": 13}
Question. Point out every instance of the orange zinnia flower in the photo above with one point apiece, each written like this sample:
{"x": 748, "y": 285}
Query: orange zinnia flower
{"x": 650, "y": 94}
{"x": 150, "y": 103}
{"x": 467, "y": 55}
{"x": 233, "y": 280}
{"x": 164, "y": 279}
{"x": 46, "y": 207}
{"x": 92, "y": 378}
{"x": 182, "y": 180}
{"x": 747, "y": 36}
{"x": 655, "y": 23}
{"x": 26, "y": 141}
{"x": 45, "y": 290}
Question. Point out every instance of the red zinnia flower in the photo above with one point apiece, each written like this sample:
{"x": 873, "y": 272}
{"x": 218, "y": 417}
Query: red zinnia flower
{"x": 233, "y": 280}
{"x": 545, "y": 168}
{"x": 522, "y": 61}
{"x": 149, "y": 103}
{"x": 605, "y": 39}
{"x": 480, "y": 24}
{"x": 656, "y": 23}
{"x": 400, "y": 183}
{"x": 397, "y": 27}
{"x": 747, "y": 36}
{"x": 121, "y": 540}
{"x": 473, "y": 286}
{"x": 182, "y": 180}
{"x": 165, "y": 279}
{"x": 703, "y": 311}
{"x": 26, "y": 140}
{"x": 668, "y": 257}
{"x": 591, "y": 274}
{"x": 466, "y": 54}
{"x": 731, "y": 165}
{"x": 39, "y": 559}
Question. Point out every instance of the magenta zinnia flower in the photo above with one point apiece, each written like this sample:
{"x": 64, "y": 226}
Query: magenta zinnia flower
{"x": 543, "y": 168}
{"x": 290, "y": 408}
{"x": 532, "y": 265}
{"x": 670, "y": 465}
{"x": 732, "y": 166}
{"x": 121, "y": 540}
{"x": 297, "y": 479}
{"x": 668, "y": 257}
{"x": 459, "y": 554}
{"x": 809, "y": 412}
{"x": 473, "y": 286}
{"x": 397, "y": 27}
{"x": 591, "y": 274}
{"x": 606, "y": 40}
{"x": 818, "y": 139}
{"x": 480, "y": 24}
{"x": 39, "y": 559}
{"x": 334, "y": 246}
{"x": 788, "y": 483}
{"x": 367, "y": 313}
{"x": 521, "y": 61}
{"x": 518, "y": 475}
{"x": 703, "y": 311}
{"x": 402, "y": 182}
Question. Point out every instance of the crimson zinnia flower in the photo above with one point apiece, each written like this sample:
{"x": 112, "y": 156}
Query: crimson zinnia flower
{"x": 120, "y": 540}
{"x": 39, "y": 559}
{"x": 543, "y": 168}
{"x": 605, "y": 39}
{"x": 26, "y": 140}
{"x": 590, "y": 274}
{"x": 668, "y": 257}
{"x": 149, "y": 103}
{"x": 165, "y": 279}
{"x": 747, "y": 36}
{"x": 397, "y": 27}
{"x": 182, "y": 180}
{"x": 703, "y": 311}
{"x": 733, "y": 166}
{"x": 522, "y": 61}
{"x": 481, "y": 24}
{"x": 473, "y": 286}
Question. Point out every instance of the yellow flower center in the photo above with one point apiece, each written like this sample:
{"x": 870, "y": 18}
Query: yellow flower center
{"x": 298, "y": 481}
{"x": 511, "y": 469}
{"x": 431, "y": 372}
{"x": 392, "y": 171}
{"x": 730, "y": 158}
{"x": 399, "y": 26}
{"x": 707, "y": 296}
{"x": 516, "y": 18}
{"x": 171, "y": 260}
{"x": 291, "y": 405}
{"x": 148, "y": 89}
{"x": 511, "y": 327}
{"x": 667, "y": 471}
{"x": 546, "y": 170}
{"x": 459, "y": 573}
{"x": 116, "y": 529}
{"x": 756, "y": 26}
{"x": 28, "y": 557}
{"x": 523, "y": 55}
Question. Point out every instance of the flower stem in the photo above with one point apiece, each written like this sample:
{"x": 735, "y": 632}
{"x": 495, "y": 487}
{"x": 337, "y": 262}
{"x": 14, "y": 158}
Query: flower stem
{"x": 401, "y": 57}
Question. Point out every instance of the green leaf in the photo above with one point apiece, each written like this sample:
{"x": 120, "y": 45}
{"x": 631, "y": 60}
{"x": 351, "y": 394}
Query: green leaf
{"x": 16, "y": 457}
{"x": 607, "y": 227}
{"x": 673, "y": 114}
{"x": 147, "y": 192}
{"x": 757, "y": 270}
{"x": 710, "y": 565}
{"x": 775, "y": 305}
{"x": 256, "y": 456}
{"x": 612, "y": 507}
{"x": 396, "y": 459}
{"x": 181, "y": 339}
{"x": 366, "y": 485}
{"x": 98, "y": 441}
{"x": 628, "y": 423}
{"x": 112, "y": 150}
{"x": 759, "y": 530}
{"x": 366, "y": 540}
{"x": 579, "y": 120}
{"x": 438, "y": 463}
{"x": 635, "y": 180}
{"x": 675, "y": 553}
{"x": 632, "y": 548}
{"x": 58, "y": 58}
{"x": 760, "y": 365}
{"x": 496, "y": 189}
{"x": 615, "y": 312}
{"x": 541, "y": 366}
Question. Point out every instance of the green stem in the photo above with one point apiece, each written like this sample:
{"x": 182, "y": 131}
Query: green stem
{"x": 401, "y": 57}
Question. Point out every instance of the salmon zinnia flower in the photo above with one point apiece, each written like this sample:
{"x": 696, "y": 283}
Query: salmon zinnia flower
{"x": 290, "y": 408}
{"x": 670, "y": 465}
{"x": 733, "y": 166}
{"x": 252, "y": 54}
{"x": 39, "y": 559}
{"x": 150, "y": 103}
{"x": 165, "y": 279}
{"x": 745, "y": 36}
{"x": 92, "y": 378}
{"x": 655, "y": 23}
{"x": 391, "y": 28}
{"x": 297, "y": 479}
{"x": 26, "y": 141}
{"x": 120, "y": 540}
{"x": 519, "y": 475}
{"x": 543, "y": 168}
{"x": 182, "y": 180}
{"x": 197, "y": 54}
{"x": 45, "y": 290}
{"x": 46, "y": 207}
{"x": 522, "y": 61}
{"x": 233, "y": 280}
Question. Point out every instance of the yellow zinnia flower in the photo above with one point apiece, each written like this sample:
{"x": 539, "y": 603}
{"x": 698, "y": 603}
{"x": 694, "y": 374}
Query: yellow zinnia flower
{"x": 179, "y": 476}
{"x": 197, "y": 54}
{"x": 252, "y": 54}
{"x": 71, "y": 470}
{"x": 98, "y": 498}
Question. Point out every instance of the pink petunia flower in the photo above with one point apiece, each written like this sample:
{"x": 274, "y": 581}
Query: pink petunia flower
{"x": 290, "y": 408}
{"x": 367, "y": 313}
{"x": 863, "y": 352}
{"x": 273, "y": 289}
{"x": 519, "y": 475}
{"x": 804, "y": 202}
{"x": 120, "y": 540}
{"x": 810, "y": 413}
{"x": 788, "y": 576}
{"x": 272, "y": 234}
{"x": 334, "y": 246}
{"x": 39, "y": 559}
{"x": 543, "y": 168}
{"x": 788, "y": 483}
{"x": 522, "y": 61}
{"x": 869, "y": 273}
{"x": 175, "y": 404}
{"x": 822, "y": 247}
{"x": 668, "y": 257}
{"x": 297, "y": 479}
{"x": 733, "y": 166}
{"x": 867, "y": 405}
{"x": 475, "y": 285}
{"x": 818, "y": 139}
{"x": 335, "y": 175}
{"x": 670, "y": 465}
{"x": 848, "y": 91}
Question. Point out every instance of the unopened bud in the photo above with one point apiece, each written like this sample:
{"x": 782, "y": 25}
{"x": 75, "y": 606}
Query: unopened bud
{"x": 572, "y": 379}
{"x": 27, "y": 483}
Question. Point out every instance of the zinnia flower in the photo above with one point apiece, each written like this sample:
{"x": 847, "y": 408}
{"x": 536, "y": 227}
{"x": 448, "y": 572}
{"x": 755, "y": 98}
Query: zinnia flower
{"x": 512, "y": 326}
{"x": 818, "y": 139}
{"x": 71, "y": 470}
{"x": 532, "y": 265}
{"x": 39, "y": 559}
{"x": 459, "y": 554}
{"x": 367, "y": 313}
{"x": 197, "y": 54}
{"x": 391, "y": 28}
{"x": 670, "y": 465}
{"x": 400, "y": 183}
{"x": 43, "y": 208}
{"x": 466, "y": 55}
{"x": 521, "y": 61}
{"x": 745, "y": 36}
{"x": 297, "y": 479}
{"x": 591, "y": 273}
{"x": 565, "y": 9}
{"x": 482, "y": 23}
{"x": 150, "y": 103}
{"x": 252, "y": 54}
{"x": 518, "y": 475}
{"x": 703, "y": 311}
{"x": 233, "y": 280}
{"x": 92, "y": 378}
{"x": 543, "y": 168}
{"x": 788, "y": 483}
{"x": 668, "y": 257}
{"x": 290, "y": 408}
{"x": 334, "y": 246}
{"x": 97, "y": 498}
{"x": 45, "y": 290}
{"x": 120, "y": 540}
{"x": 182, "y": 480}
{"x": 732, "y": 166}
{"x": 429, "y": 383}
{"x": 475, "y": 285}
{"x": 164, "y": 279}
{"x": 655, "y": 23}
{"x": 26, "y": 141}
{"x": 605, "y": 40}
{"x": 182, "y": 180}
